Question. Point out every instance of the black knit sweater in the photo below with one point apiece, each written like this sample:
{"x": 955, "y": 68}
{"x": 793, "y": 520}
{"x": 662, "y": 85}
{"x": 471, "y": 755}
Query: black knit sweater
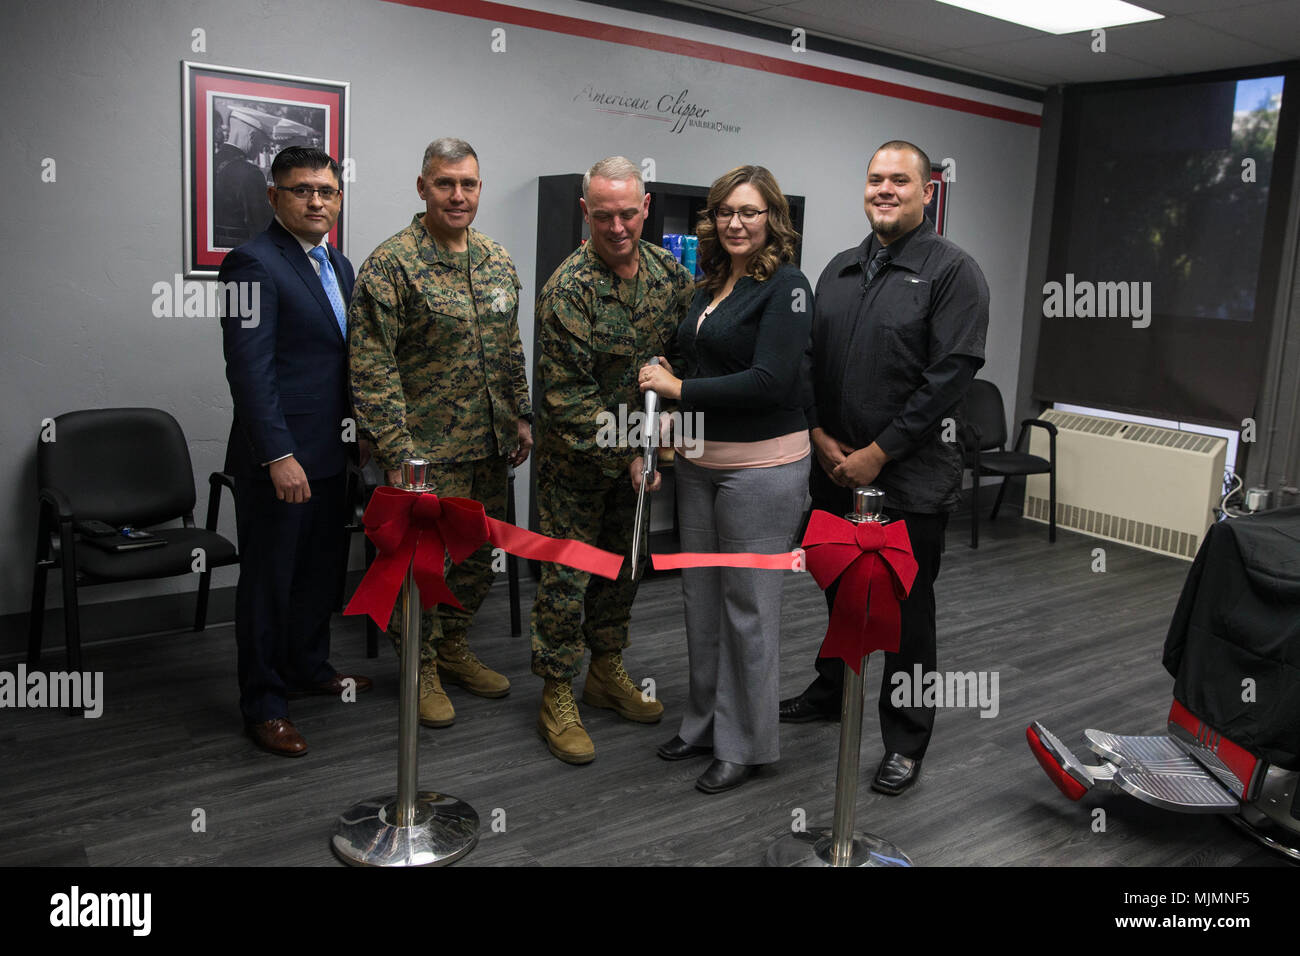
{"x": 747, "y": 369}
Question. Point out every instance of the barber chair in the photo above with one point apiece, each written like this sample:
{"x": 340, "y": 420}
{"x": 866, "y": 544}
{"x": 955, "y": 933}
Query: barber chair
{"x": 1233, "y": 648}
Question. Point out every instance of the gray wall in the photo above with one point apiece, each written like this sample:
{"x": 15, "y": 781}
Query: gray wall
{"x": 101, "y": 95}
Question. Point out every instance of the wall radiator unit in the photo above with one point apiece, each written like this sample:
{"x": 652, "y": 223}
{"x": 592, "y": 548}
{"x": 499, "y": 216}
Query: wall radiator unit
{"x": 1142, "y": 485}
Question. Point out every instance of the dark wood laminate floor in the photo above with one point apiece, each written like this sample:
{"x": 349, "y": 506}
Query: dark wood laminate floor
{"x": 1071, "y": 647}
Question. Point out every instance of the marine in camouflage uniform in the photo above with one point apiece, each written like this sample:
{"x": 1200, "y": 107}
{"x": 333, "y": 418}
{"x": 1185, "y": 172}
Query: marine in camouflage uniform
{"x": 597, "y": 330}
{"x": 437, "y": 372}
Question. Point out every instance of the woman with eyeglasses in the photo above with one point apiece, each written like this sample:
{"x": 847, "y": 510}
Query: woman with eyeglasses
{"x": 743, "y": 350}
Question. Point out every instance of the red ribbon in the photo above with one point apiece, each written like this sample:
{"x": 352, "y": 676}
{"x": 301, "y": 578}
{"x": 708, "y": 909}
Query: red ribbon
{"x": 785, "y": 561}
{"x": 407, "y": 527}
{"x": 874, "y": 566}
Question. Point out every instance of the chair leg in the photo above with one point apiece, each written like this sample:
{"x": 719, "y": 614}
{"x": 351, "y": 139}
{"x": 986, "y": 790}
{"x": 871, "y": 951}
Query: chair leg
{"x": 997, "y": 504}
{"x": 71, "y": 617}
{"x": 372, "y": 631}
{"x": 975, "y": 509}
{"x": 201, "y": 604}
{"x": 341, "y": 600}
{"x": 36, "y": 621}
{"x": 512, "y": 579}
{"x": 1051, "y": 498}
{"x": 512, "y": 565}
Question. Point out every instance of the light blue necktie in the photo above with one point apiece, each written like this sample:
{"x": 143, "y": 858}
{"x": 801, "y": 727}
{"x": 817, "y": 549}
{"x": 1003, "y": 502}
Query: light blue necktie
{"x": 331, "y": 285}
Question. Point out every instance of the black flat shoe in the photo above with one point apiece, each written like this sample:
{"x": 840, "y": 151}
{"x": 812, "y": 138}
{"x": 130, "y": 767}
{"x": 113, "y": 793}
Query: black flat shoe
{"x": 723, "y": 775}
{"x": 896, "y": 774}
{"x": 797, "y": 710}
{"x": 678, "y": 749}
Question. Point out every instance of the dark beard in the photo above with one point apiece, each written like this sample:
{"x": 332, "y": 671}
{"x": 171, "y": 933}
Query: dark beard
{"x": 888, "y": 230}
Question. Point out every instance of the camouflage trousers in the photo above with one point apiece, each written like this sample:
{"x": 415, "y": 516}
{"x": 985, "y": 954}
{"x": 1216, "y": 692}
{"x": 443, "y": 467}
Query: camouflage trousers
{"x": 574, "y": 500}
{"x": 485, "y": 481}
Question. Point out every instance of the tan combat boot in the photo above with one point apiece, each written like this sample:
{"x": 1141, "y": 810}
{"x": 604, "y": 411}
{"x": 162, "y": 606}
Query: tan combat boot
{"x": 560, "y": 726}
{"x": 461, "y": 666}
{"x": 435, "y": 705}
{"x": 609, "y": 686}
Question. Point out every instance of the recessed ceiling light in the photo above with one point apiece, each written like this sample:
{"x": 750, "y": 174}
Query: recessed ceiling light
{"x": 1060, "y": 16}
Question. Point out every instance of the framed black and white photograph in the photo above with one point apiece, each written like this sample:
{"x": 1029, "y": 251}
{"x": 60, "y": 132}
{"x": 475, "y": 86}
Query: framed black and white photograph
{"x": 235, "y": 121}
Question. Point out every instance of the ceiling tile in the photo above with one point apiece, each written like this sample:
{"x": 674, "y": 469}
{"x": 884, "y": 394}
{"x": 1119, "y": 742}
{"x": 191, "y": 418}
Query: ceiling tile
{"x": 929, "y": 22}
{"x": 1196, "y": 35}
{"x": 867, "y": 33}
{"x": 733, "y": 6}
{"x": 1273, "y": 25}
{"x": 1179, "y": 45}
{"x": 998, "y": 68}
{"x": 1171, "y": 8}
{"x": 1068, "y": 59}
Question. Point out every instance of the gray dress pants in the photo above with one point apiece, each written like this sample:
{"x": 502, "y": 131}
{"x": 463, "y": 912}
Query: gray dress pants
{"x": 733, "y": 615}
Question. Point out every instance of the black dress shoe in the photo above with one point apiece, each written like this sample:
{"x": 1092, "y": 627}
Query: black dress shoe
{"x": 334, "y": 687}
{"x": 678, "y": 749}
{"x": 798, "y": 710}
{"x": 723, "y": 775}
{"x": 896, "y": 774}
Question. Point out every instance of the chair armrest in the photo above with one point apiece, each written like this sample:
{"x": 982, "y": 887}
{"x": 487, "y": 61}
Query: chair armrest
{"x": 970, "y": 438}
{"x": 354, "y": 491}
{"x": 1038, "y": 423}
{"x": 216, "y": 481}
{"x": 59, "y": 502}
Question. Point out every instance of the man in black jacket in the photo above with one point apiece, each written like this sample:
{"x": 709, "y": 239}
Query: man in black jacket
{"x": 898, "y": 334}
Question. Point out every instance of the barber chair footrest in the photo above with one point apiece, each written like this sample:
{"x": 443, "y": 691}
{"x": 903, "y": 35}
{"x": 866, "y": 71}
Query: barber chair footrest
{"x": 1156, "y": 770}
{"x": 1071, "y": 776}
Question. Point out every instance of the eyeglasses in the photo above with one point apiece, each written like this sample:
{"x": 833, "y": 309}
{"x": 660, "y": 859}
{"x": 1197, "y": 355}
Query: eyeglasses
{"x": 326, "y": 193}
{"x": 748, "y": 216}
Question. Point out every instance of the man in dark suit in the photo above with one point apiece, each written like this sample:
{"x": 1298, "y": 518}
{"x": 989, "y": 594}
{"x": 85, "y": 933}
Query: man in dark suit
{"x": 287, "y": 367}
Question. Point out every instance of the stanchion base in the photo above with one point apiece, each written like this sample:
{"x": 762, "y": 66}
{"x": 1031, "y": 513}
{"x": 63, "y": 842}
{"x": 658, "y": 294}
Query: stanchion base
{"x": 813, "y": 848}
{"x": 445, "y": 829}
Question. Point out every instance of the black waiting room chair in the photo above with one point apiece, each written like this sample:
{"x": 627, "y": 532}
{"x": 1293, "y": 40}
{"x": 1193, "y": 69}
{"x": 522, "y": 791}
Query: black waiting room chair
{"x": 984, "y": 442}
{"x": 126, "y": 467}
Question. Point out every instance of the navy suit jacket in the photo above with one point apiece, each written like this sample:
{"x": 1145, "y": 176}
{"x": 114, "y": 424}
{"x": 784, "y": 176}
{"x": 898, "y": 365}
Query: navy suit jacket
{"x": 288, "y": 372}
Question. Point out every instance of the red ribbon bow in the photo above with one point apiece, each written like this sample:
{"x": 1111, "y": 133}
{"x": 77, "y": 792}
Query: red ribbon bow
{"x": 407, "y": 527}
{"x": 874, "y": 566}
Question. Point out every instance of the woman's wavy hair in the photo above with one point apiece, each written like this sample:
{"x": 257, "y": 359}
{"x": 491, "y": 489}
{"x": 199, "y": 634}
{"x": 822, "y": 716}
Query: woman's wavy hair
{"x": 714, "y": 261}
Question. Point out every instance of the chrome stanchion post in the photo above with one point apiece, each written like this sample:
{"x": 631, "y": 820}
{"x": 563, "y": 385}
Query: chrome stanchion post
{"x": 846, "y": 771}
{"x": 415, "y": 475}
{"x": 415, "y": 827}
{"x": 841, "y": 845}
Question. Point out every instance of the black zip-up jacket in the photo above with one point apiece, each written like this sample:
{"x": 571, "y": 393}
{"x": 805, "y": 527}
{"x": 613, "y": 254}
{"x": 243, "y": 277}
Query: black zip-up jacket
{"x": 891, "y": 362}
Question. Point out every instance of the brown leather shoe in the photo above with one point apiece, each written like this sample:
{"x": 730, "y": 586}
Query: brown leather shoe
{"x": 278, "y": 737}
{"x": 334, "y": 687}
